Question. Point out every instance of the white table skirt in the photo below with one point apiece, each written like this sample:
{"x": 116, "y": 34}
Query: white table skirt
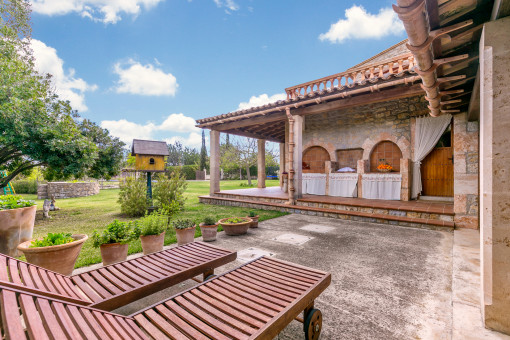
{"x": 343, "y": 185}
{"x": 381, "y": 186}
{"x": 314, "y": 184}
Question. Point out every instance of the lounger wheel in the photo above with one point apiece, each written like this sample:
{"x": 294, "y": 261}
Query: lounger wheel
{"x": 313, "y": 324}
{"x": 212, "y": 276}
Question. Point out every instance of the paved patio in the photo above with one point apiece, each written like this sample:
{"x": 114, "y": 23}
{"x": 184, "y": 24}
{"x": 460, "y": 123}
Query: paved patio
{"x": 388, "y": 282}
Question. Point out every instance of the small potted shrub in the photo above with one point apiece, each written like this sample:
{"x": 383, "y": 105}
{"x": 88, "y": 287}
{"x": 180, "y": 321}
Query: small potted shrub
{"x": 209, "y": 229}
{"x": 255, "y": 218}
{"x": 184, "y": 231}
{"x": 56, "y": 251}
{"x": 234, "y": 226}
{"x": 17, "y": 217}
{"x": 113, "y": 241}
{"x": 151, "y": 230}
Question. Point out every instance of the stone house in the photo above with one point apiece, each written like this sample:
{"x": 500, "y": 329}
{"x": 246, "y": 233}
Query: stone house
{"x": 433, "y": 107}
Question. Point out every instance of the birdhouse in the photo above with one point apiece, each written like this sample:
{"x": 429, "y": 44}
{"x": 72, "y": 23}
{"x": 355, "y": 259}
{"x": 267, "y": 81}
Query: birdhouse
{"x": 149, "y": 155}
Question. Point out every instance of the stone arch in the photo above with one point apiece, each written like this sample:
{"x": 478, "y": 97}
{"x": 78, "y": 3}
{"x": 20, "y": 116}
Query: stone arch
{"x": 385, "y": 151}
{"x": 326, "y": 146}
{"x": 402, "y": 143}
{"x": 314, "y": 159}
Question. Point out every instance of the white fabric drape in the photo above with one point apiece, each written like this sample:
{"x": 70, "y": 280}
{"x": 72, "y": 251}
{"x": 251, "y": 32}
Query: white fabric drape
{"x": 343, "y": 185}
{"x": 427, "y": 134}
{"x": 314, "y": 184}
{"x": 381, "y": 186}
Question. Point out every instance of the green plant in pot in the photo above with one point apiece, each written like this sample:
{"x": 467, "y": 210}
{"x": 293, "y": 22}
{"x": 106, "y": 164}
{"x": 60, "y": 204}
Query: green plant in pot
{"x": 56, "y": 251}
{"x": 17, "y": 217}
{"x": 184, "y": 231}
{"x": 113, "y": 241}
{"x": 209, "y": 229}
{"x": 151, "y": 230}
{"x": 255, "y": 219}
{"x": 235, "y": 226}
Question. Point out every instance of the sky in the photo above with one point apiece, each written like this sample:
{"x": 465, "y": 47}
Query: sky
{"x": 149, "y": 68}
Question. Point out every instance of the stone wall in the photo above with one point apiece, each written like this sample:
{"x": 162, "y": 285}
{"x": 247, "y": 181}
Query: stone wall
{"x": 59, "y": 190}
{"x": 465, "y": 173}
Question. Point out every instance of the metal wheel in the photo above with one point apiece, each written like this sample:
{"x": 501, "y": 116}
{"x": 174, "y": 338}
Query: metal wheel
{"x": 212, "y": 276}
{"x": 313, "y": 324}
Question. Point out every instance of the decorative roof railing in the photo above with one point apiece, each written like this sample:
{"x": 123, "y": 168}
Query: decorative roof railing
{"x": 357, "y": 76}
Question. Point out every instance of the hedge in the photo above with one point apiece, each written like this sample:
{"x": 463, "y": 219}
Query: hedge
{"x": 187, "y": 170}
{"x": 25, "y": 186}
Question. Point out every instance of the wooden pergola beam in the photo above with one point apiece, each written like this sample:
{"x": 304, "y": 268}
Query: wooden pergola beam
{"x": 254, "y": 135}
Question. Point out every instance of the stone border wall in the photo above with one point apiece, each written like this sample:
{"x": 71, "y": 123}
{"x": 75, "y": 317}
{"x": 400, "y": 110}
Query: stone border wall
{"x": 60, "y": 190}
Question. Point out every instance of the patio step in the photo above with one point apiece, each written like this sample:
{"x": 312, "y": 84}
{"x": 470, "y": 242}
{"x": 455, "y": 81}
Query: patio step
{"x": 416, "y": 219}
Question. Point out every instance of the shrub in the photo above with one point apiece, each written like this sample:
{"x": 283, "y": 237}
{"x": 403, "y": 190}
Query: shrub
{"x": 168, "y": 190}
{"x": 183, "y": 224}
{"x": 153, "y": 224}
{"x": 188, "y": 171}
{"x": 208, "y": 220}
{"x": 133, "y": 196}
{"x": 14, "y": 202}
{"x": 52, "y": 239}
{"x": 115, "y": 232}
{"x": 252, "y": 214}
{"x": 25, "y": 186}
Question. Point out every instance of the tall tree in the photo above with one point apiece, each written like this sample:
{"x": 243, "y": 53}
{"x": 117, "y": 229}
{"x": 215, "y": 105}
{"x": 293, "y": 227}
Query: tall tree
{"x": 203, "y": 153}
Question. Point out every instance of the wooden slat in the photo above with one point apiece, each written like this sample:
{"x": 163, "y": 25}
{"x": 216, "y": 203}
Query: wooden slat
{"x": 131, "y": 323}
{"x": 114, "y": 271}
{"x": 94, "y": 324}
{"x": 25, "y": 275}
{"x": 13, "y": 271}
{"x": 150, "y": 328}
{"x": 114, "y": 280}
{"x": 181, "y": 324}
{"x": 244, "y": 290}
{"x": 51, "y": 323}
{"x": 33, "y": 321}
{"x": 130, "y": 274}
{"x": 86, "y": 331}
{"x": 86, "y": 289}
{"x": 36, "y": 279}
{"x": 117, "y": 326}
{"x": 164, "y": 326}
{"x": 65, "y": 321}
{"x": 3, "y": 268}
{"x": 95, "y": 285}
{"x": 293, "y": 280}
{"x": 10, "y": 316}
{"x": 103, "y": 322}
{"x": 105, "y": 283}
{"x": 138, "y": 271}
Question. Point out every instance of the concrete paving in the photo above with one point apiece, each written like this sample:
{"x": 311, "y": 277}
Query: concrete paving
{"x": 388, "y": 282}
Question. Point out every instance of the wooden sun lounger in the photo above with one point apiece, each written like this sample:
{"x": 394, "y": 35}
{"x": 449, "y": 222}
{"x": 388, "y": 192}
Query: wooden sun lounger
{"x": 254, "y": 301}
{"x": 118, "y": 284}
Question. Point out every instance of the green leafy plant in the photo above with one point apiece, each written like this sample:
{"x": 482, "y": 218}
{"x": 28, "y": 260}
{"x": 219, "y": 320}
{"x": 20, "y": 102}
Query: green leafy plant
{"x": 115, "y": 232}
{"x": 25, "y": 186}
{"x": 153, "y": 224}
{"x": 14, "y": 202}
{"x": 133, "y": 197}
{"x": 52, "y": 239}
{"x": 234, "y": 220}
{"x": 252, "y": 214}
{"x": 168, "y": 190}
{"x": 183, "y": 224}
{"x": 208, "y": 220}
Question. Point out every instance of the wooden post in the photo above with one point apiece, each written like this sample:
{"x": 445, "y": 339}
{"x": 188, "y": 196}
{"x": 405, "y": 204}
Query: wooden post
{"x": 291, "y": 156}
{"x": 261, "y": 164}
{"x": 215, "y": 163}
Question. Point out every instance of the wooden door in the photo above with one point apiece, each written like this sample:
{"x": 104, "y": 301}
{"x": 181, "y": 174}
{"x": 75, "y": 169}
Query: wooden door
{"x": 437, "y": 168}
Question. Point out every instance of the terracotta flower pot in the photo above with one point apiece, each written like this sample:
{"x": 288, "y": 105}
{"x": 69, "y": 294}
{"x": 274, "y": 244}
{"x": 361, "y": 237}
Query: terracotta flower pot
{"x": 113, "y": 253}
{"x": 209, "y": 232}
{"x": 185, "y": 235}
{"x": 235, "y": 229}
{"x": 16, "y": 226}
{"x": 60, "y": 258}
{"x": 152, "y": 243}
{"x": 255, "y": 223}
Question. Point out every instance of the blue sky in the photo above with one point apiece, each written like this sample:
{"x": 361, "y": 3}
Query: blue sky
{"x": 148, "y": 68}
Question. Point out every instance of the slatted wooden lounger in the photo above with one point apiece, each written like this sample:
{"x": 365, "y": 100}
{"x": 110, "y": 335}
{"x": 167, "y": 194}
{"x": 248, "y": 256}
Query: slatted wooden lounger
{"x": 118, "y": 284}
{"x": 254, "y": 301}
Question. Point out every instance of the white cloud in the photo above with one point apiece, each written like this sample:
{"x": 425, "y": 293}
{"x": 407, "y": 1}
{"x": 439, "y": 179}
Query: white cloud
{"x": 67, "y": 86}
{"x": 175, "y": 123}
{"x": 147, "y": 80}
{"x": 358, "y": 24}
{"x": 107, "y": 11}
{"x": 193, "y": 140}
{"x": 230, "y": 5}
{"x": 261, "y": 100}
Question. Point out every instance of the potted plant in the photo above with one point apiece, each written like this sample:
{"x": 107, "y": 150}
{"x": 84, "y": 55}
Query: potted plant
{"x": 234, "y": 226}
{"x": 151, "y": 230}
{"x": 17, "y": 217}
{"x": 113, "y": 241}
{"x": 255, "y": 218}
{"x": 209, "y": 229}
{"x": 184, "y": 231}
{"x": 56, "y": 251}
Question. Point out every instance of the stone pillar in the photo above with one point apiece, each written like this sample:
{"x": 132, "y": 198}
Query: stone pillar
{"x": 282, "y": 162}
{"x": 298, "y": 156}
{"x": 495, "y": 174}
{"x": 261, "y": 164}
{"x": 405, "y": 167}
{"x": 214, "y": 163}
{"x": 363, "y": 167}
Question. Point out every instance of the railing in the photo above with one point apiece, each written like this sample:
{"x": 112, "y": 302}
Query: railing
{"x": 371, "y": 72}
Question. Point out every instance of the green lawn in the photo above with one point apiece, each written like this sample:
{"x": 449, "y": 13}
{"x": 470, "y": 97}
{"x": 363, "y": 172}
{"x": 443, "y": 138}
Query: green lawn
{"x": 84, "y": 214}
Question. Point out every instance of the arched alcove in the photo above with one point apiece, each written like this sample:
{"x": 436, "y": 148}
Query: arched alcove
{"x": 385, "y": 152}
{"x": 314, "y": 159}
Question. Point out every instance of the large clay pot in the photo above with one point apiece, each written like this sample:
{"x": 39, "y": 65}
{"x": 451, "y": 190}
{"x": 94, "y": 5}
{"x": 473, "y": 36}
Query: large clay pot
{"x": 152, "y": 243}
{"x": 185, "y": 235}
{"x": 113, "y": 253}
{"x": 255, "y": 223}
{"x": 209, "y": 232}
{"x": 235, "y": 229}
{"x": 60, "y": 258}
{"x": 16, "y": 226}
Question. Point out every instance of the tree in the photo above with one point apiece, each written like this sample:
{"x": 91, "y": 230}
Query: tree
{"x": 182, "y": 155}
{"x": 203, "y": 153}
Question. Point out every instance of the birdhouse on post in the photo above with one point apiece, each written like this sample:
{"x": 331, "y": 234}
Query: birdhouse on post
{"x": 149, "y": 158}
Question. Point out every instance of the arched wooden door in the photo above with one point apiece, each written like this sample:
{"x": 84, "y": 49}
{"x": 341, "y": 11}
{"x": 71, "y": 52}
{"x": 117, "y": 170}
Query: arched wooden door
{"x": 437, "y": 168}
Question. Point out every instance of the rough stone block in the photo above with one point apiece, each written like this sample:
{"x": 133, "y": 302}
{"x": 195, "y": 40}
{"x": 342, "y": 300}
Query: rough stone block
{"x": 465, "y": 221}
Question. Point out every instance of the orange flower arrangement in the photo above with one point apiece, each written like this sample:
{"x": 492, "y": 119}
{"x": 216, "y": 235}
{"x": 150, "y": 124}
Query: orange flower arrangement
{"x": 384, "y": 167}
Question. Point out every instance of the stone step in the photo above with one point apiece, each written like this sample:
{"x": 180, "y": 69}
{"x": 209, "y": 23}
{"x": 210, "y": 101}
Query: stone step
{"x": 416, "y": 222}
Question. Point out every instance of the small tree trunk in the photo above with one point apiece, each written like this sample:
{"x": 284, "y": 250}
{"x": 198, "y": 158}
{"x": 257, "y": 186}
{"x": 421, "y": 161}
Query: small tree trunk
{"x": 240, "y": 173}
{"x": 248, "y": 175}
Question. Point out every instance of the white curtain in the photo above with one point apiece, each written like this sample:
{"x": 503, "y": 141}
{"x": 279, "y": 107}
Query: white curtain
{"x": 381, "y": 186}
{"x": 343, "y": 185}
{"x": 314, "y": 184}
{"x": 428, "y": 131}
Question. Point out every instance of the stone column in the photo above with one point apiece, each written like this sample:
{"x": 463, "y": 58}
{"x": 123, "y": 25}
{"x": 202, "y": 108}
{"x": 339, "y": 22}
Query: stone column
{"x": 298, "y": 156}
{"x": 282, "y": 162}
{"x": 405, "y": 171}
{"x": 261, "y": 163}
{"x": 214, "y": 163}
{"x": 494, "y": 174}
